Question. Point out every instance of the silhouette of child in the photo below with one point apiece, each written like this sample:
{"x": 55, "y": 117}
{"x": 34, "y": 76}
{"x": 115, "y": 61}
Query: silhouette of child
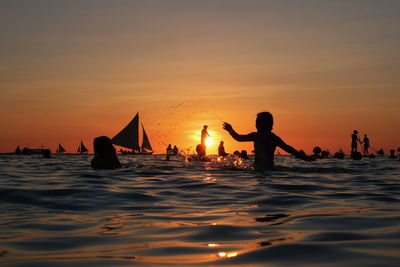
{"x": 221, "y": 150}
{"x": 105, "y": 156}
{"x": 366, "y": 145}
{"x": 265, "y": 141}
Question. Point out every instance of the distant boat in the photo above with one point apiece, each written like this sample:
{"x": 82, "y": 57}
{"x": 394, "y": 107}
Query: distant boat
{"x": 82, "y": 149}
{"x": 31, "y": 151}
{"x": 129, "y": 138}
{"x": 60, "y": 149}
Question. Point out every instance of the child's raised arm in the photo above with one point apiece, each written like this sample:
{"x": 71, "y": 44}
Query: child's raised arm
{"x": 238, "y": 137}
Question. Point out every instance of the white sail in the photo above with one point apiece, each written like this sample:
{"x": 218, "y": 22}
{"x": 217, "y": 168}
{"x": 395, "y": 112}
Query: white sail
{"x": 129, "y": 136}
{"x": 146, "y": 146}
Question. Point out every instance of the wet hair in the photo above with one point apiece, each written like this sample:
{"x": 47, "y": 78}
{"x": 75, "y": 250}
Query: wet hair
{"x": 264, "y": 122}
{"x": 103, "y": 147}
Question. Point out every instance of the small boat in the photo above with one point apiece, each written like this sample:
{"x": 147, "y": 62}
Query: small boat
{"x": 82, "y": 149}
{"x": 129, "y": 138}
{"x": 32, "y": 151}
{"x": 60, "y": 149}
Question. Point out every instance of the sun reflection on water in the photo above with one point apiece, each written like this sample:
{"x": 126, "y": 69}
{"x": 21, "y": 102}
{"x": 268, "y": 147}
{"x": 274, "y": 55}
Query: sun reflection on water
{"x": 227, "y": 254}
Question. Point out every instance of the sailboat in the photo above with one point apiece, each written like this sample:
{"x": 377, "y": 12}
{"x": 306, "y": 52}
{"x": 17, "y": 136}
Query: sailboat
{"x": 60, "y": 149}
{"x": 129, "y": 138}
{"x": 82, "y": 149}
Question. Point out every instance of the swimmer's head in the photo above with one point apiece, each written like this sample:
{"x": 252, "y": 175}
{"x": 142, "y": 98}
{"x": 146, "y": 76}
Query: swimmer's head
{"x": 103, "y": 147}
{"x": 264, "y": 122}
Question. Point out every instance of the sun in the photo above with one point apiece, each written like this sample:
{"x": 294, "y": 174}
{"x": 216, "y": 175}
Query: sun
{"x": 209, "y": 141}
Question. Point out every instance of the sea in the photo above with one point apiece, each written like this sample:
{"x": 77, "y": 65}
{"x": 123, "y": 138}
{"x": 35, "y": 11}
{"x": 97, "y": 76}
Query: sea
{"x": 59, "y": 212}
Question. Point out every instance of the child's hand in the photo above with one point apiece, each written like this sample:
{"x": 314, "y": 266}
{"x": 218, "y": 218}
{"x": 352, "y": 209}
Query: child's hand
{"x": 226, "y": 126}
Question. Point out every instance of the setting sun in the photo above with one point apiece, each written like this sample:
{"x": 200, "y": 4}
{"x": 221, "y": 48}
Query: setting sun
{"x": 211, "y": 139}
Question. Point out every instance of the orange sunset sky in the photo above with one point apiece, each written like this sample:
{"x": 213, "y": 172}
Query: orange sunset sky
{"x": 74, "y": 70}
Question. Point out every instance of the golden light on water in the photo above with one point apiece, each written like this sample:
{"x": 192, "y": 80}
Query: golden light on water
{"x": 227, "y": 254}
{"x": 213, "y": 245}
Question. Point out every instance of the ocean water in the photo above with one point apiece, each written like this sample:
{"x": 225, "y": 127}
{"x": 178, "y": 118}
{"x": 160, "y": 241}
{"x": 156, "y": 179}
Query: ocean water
{"x": 60, "y": 212}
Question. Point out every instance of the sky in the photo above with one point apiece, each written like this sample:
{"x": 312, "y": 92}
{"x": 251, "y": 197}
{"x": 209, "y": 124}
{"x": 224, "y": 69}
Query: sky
{"x": 74, "y": 70}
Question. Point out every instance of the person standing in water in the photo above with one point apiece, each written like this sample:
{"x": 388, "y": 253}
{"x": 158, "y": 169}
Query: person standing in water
{"x": 168, "y": 152}
{"x": 354, "y": 141}
{"x": 265, "y": 142}
{"x": 366, "y": 145}
{"x": 204, "y": 135}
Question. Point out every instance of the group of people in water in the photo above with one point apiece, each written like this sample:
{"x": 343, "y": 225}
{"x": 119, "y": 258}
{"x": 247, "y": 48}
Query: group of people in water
{"x": 264, "y": 140}
{"x": 171, "y": 151}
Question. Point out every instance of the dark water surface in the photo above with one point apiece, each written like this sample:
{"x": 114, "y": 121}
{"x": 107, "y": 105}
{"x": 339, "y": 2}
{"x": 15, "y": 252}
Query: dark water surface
{"x": 59, "y": 212}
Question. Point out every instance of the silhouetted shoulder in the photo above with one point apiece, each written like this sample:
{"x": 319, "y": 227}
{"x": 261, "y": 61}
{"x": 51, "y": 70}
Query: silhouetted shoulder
{"x": 276, "y": 139}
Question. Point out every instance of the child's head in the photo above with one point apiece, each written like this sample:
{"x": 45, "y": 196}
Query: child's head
{"x": 264, "y": 122}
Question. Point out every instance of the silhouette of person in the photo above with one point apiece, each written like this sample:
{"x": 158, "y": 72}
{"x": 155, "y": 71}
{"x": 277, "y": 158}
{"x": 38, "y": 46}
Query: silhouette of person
{"x": 221, "y": 150}
{"x": 201, "y": 151}
{"x": 366, "y": 145}
{"x": 175, "y": 151}
{"x": 354, "y": 141}
{"x": 168, "y": 152}
{"x": 18, "y": 151}
{"x": 105, "y": 156}
{"x": 265, "y": 141}
{"x": 339, "y": 154}
{"x": 243, "y": 154}
{"x": 316, "y": 150}
{"x": 392, "y": 155}
{"x": 324, "y": 154}
{"x": 46, "y": 153}
{"x": 204, "y": 135}
{"x": 236, "y": 153}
